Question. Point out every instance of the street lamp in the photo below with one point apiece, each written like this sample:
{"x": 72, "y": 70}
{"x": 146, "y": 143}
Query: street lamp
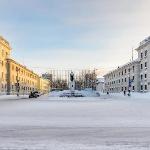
{"x": 17, "y": 84}
{"x": 0, "y": 76}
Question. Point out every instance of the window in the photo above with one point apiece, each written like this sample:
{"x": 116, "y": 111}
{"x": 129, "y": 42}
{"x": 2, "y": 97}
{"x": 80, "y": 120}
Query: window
{"x": 145, "y": 64}
{"x": 133, "y": 68}
{"x": 122, "y": 72}
{"x": 129, "y": 70}
{"x": 141, "y": 87}
{"x": 133, "y": 78}
{"x": 2, "y": 53}
{"x": 145, "y": 87}
{"x": 2, "y": 75}
{"x": 141, "y": 66}
{"x": 122, "y": 89}
{"x": 141, "y": 77}
{"x": 141, "y": 55}
{"x": 145, "y": 53}
{"x": 122, "y": 80}
{"x": 12, "y": 67}
{"x": 145, "y": 75}
{"x": 125, "y": 79}
{"x": 125, "y": 71}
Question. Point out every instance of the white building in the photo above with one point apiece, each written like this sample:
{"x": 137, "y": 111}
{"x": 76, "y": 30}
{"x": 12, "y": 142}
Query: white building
{"x": 133, "y": 76}
{"x": 100, "y": 84}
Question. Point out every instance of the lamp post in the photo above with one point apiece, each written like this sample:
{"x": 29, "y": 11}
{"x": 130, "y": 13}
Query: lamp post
{"x": 0, "y": 77}
{"x": 17, "y": 84}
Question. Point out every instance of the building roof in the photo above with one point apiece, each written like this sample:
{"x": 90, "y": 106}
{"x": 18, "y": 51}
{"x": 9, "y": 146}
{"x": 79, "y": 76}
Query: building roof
{"x": 5, "y": 42}
{"x": 120, "y": 67}
{"x": 143, "y": 43}
{"x": 101, "y": 79}
{"x": 12, "y": 60}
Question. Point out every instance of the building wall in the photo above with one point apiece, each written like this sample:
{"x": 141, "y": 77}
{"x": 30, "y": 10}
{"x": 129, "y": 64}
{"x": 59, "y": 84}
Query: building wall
{"x": 141, "y": 74}
{"x": 28, "y": 80}
{"x": 100, "y": 85}
{"x": 44, "y": 85}
{"x": 5, "y": 50}
{"x": 11, "y": 71}
{"x": 118, "y": 80}
{"x": 144, "y": 57}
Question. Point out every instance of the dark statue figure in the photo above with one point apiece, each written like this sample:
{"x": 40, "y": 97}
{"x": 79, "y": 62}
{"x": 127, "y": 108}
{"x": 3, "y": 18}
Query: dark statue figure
{"x": 71, "y": 77}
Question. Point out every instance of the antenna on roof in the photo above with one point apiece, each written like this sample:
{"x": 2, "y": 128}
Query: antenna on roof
{"x": 132, "y": 53}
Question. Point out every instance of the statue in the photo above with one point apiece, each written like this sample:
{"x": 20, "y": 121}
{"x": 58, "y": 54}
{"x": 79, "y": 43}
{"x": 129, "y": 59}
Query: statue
{"x": 72, "y": 82}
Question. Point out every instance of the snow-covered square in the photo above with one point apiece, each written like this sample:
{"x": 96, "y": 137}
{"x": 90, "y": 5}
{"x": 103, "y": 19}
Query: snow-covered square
{"x": 111, "y": 122}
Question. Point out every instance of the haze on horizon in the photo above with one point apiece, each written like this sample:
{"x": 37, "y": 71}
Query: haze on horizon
{"x": 74, "y": 33}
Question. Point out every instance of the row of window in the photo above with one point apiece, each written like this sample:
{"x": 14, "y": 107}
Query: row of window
{"x": 22, "y": 80}
{"x": 145, "y": 54}
{"x": 122, "y": 72}
{"x": 145, "y": 65}
{"x": 145, "y": 76}
{"x": 143, "y": 87}
{"x": 4, "y": 54}
{"x": 4, "y": 86}
{"x": 121, "y": 80}
{"x": 23, "y": 72}
{"x": 13, "y": 87}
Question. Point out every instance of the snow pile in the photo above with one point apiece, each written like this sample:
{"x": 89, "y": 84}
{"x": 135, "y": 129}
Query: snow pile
{"x": 9, "y": 97}
{"x": 134, "y": 96}
{"x": 85, "y": 93}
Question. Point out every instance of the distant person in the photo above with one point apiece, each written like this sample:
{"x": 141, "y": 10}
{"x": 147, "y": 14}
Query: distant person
{"x": 124, "y": 92}
{"x": 107, "y": 93}
{"x": 129, "y": 94}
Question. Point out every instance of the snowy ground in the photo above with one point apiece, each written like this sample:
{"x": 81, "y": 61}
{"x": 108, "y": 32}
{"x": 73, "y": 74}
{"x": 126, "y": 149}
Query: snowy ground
{"x": 110, "y": 122}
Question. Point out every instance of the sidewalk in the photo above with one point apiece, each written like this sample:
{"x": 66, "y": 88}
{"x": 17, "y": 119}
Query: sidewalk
{"x": 13, "y": 97}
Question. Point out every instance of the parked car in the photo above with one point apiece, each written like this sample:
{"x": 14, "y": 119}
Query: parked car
{"x": 34, "y": 94}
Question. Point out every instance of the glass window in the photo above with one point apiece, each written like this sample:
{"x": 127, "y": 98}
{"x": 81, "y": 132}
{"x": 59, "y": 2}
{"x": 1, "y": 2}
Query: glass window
{"x": 146, "y": 53}
{"x": 141, "y": 66}
{"x": 133, "y": 68}
{"x": 141, "y": 76}
{"x": 133, "y": 78}
{"x": 141, "y": 55}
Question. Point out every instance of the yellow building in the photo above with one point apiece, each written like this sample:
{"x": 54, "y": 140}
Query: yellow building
{"x": 44, "y": 85}
{"x": 16, "y": 78}
{"x": 18, "y": 74}
{"x": 5, "y": 50}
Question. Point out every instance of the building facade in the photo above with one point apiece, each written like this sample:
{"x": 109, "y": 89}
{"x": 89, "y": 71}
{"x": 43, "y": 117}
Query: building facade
{"x": 124, "y": 78}
{"x": 44, "y": 85}
{"x": 5, "y": 51}
{"x": 144, "y": 58}
{"x": 133, "y": 76}
{"x": 18, "y": 76}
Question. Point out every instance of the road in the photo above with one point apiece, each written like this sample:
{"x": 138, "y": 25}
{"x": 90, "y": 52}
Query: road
{"x": 74, "y": 124}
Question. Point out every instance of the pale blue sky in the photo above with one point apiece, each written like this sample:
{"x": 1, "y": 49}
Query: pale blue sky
{"x": 74, "y": 33}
